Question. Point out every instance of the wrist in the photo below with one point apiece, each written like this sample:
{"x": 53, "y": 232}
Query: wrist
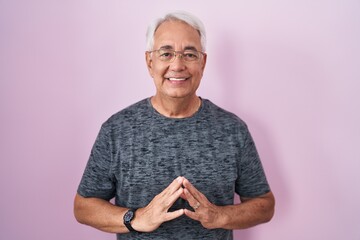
{"x": 128, "y": 219}
{"x": 136, "y": 221}
{"x": 142, "y": 223}
{"x": 223, "y": 218}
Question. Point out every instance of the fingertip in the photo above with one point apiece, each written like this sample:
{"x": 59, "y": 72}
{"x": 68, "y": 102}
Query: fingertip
{"x": 188, "y": 213}
{"x": 180, "y": 212}
{"x": 186, "y": 182}
{"x": 172, "y": 215}
{"x": 180, "y": 179}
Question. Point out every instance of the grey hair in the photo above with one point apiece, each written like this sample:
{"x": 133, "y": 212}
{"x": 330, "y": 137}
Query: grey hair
{"x": 188, "y": 18}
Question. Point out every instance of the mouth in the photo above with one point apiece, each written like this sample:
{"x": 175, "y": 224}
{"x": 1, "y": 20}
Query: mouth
{"x": 177, "y": 79}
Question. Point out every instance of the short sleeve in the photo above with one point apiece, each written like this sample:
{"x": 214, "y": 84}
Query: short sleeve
{"x": 96, "y": 180}
{"x": 251, "y": 181}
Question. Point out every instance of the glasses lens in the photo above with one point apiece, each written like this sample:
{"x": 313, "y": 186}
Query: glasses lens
{"x": 191, "y": 56}
{"x": 166, "y": 55}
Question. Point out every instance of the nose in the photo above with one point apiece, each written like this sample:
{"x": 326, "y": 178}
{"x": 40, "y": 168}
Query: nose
{"x": 178, "y": 63}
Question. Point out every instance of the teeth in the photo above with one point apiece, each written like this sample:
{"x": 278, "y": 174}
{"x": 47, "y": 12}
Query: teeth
{"x": 177, "y": 79}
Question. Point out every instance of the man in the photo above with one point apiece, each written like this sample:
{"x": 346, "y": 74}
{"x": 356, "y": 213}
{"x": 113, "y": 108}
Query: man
{"x": 174, "y": 161}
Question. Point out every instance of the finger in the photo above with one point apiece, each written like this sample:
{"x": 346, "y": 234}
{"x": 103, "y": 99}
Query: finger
{"x": 191, "y": 214}
{"x": 194, "y": 192}
{"x": 191, "y": 199}
{"x": 183, "y": 196}
{"x": 172, "y": 215}
{"x": 172, "y": 198}
{"x": 174, "y": 186}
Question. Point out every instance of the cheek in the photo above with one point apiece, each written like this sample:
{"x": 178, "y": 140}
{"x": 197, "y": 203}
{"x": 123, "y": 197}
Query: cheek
{"x": 198, "y": 72}
{"x": 158, "y": 70}
{"x": 158, "y": 75}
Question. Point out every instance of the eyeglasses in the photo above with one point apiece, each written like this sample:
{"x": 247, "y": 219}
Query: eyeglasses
{"x": 167, "y": 55}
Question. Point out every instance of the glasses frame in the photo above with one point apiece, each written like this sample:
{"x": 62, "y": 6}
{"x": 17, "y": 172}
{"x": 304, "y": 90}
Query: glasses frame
{"x": 178, "y": 53}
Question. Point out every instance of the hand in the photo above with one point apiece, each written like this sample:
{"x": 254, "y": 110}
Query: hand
{"x": 206, "y": 213}
{"x": 149, "y": 218}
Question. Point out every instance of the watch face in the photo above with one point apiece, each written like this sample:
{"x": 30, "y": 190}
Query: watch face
{"x": 128, "y": 216}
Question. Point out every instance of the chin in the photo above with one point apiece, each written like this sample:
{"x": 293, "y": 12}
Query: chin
{"x": 180, "y": 96}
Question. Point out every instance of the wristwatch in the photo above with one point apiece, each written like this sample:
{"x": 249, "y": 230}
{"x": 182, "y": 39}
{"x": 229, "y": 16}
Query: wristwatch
{"x": 128, "y": 217}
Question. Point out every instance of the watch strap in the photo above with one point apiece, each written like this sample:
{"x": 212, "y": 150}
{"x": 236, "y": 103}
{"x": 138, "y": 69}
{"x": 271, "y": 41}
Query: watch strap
{"x": 128, "y": 223}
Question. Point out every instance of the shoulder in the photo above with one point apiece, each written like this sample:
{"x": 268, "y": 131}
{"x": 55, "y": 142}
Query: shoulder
{"x": 221, "y": 115}
{"x": 128, "y": 115}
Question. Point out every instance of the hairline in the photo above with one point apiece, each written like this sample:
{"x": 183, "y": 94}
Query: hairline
{"x": 184, "y": 17}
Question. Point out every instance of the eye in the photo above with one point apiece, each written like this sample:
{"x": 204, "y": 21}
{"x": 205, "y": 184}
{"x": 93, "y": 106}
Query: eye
{"x": 191, "y": 55}
{"x": 163, "y": 54}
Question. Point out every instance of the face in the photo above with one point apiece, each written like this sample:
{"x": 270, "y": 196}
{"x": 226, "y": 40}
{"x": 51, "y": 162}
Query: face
{"x": 178, "y": 79}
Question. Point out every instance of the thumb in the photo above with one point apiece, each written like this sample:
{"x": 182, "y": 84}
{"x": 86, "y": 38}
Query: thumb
{"x": 172, "y": 215}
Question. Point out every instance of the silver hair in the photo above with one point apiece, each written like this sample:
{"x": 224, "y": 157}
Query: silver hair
{"x": 188, "y": 18}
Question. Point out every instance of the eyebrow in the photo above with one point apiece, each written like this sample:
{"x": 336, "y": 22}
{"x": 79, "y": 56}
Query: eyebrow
{"x": 168, "y": 47}
{"x": 190, "y": 48}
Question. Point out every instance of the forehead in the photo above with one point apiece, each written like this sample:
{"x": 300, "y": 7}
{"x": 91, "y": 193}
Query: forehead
{"x": 176, "y": 34}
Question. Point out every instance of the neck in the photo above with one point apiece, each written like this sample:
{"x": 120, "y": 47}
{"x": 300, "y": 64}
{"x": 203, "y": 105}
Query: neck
{"x": 176, "y": 107}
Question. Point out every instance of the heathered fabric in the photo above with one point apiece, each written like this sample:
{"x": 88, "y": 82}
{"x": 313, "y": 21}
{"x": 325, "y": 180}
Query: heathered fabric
{"x": 139, "y": 152}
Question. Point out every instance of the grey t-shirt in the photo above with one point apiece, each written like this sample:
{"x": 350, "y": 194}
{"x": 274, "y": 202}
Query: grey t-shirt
{"x": 139, "y": 152}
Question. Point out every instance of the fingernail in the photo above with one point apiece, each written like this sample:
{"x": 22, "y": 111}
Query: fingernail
{"x": 179, "y": 179}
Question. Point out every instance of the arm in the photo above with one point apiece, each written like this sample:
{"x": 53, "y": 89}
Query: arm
{"x": 250, "y": 212}
{"x": 107, "y": 217}
{"x": 99, "y": 214}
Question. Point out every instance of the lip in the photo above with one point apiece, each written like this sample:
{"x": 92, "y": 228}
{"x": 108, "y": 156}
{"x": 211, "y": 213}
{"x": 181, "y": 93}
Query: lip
{"x": 177, "y": 79}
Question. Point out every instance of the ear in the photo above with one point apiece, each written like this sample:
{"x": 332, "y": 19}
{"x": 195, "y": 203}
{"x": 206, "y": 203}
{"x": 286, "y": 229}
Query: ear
{"x": 149, "y": 63}
{"x": 203, "y": 62}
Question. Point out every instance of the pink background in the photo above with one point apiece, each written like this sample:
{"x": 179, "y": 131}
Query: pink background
{"x": 290, "y": 69}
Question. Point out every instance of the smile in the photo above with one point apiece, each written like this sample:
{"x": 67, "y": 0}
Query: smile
{"x": 177, "y": 79}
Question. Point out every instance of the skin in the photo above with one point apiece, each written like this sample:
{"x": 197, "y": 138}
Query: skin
{"x": 107, "y": 217}
{"x": 175, "y": 99}
{"x": 251, "y": 211}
